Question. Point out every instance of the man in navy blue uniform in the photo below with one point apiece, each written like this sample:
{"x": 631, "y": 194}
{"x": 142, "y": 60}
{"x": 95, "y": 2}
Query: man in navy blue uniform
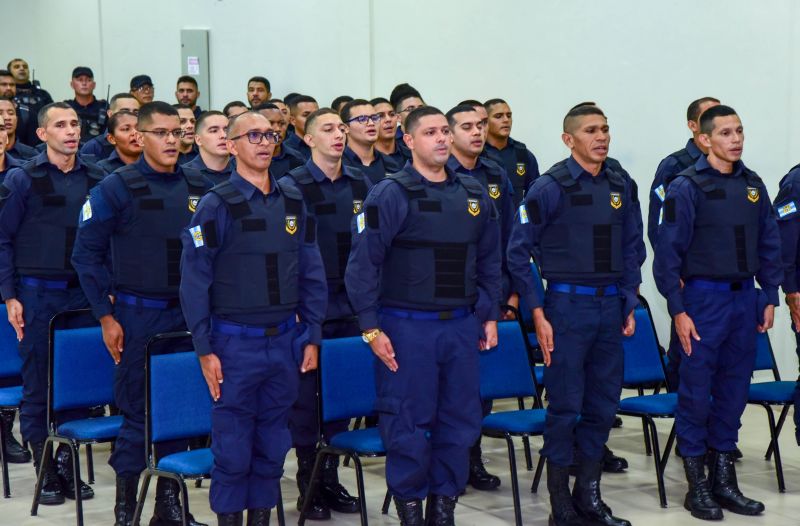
{"x": 667, "y": 170}
{"x": 135, "y": 216}
{"x": 519, "y": 162}
{"x": 468, "y": 137}
{"x": 362, "y": 121}
{"x": 10, "y": 117}
{"x": 424, "y": 279}
{"x": 101, "y": 147}
{"x": 123, "y": 135}
{"x": 284, "y": 159}
{"x": 258, "y": 91}
{"x": 786, "y": 207}
{"x": 92, "y": 112}
{"x": 404, "y": 99}
{"x": 142, "y": 88}
{"x": 579, "y": 223}
{"x": 39, "y": 205}
{"x": 333, "y": 194}
{"x": 388, "y": 143}
{"x": 213, "y": 160}
{"x": 300, "y": 108}
{"x": 253, "y": 290}
{"x": 719, "y": 231}
{"x": 29, "y": 97}
{"x": 187, "y": 149}
{"x": 186, "y": 93}
{"x": 7, "y": 162}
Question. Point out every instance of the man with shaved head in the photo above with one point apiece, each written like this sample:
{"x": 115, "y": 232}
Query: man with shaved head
{"x": 579, "y": 223}
{"x": 135, "y": 216}
{"x": 253, "y": 292}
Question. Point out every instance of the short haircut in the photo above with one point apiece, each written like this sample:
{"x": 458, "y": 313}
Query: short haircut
{"x": 461, "y": 108}
{"x": 42, "y": 118}
{"x": 8, "y": 66}
{"x": 262, "y": 80}
{"x": 312, "y": 118}
{"x": 300, "y": 99}
{"x": 491, "y": 102}
{"x": 582, "y": 104}
{"x": 469, "y": 102}
{"x": 187, "y": 78}
{"x": 156, "y": 107}
{"x": 708, "y": 116}
{"x": 179, "y": 106}
{"x": 273, "y": 101}
{"x": 118, "y": 96}
{"x": 576, "y": 113}
{"x": 233, "y": 104}
{"x": 412, "y": 121}
{"x": 287, "y": 99}
{"x": 404, "y": 97}
{"x": 266, "y": 106}
{"x": 233, "y": 120}
{"x": 402, "y": 92}
{"x": 201, "y": 120}
{"x": 379, "y": 100}
{"x": 347, "y": 110}
{"x": 693, "y": 111}
{"x": 5, "y": 73}
{"x": 9, "y": 99}
{"x": 114, "y": 121}
{"x": 341, "y": 99}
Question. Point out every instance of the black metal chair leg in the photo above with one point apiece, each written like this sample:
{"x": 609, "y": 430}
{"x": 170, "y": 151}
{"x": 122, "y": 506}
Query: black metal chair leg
{"x": 279, "y": 507}
{"x": 184, "y": 503}
{"x": 137, "y": 515}
{"x": 90, "y": 463}
{"x": 312, "y": 486}
{"x": 778, "y": 428}
{"x": 76, "y": 474}
{"x": 526, "y": 445}
{"x": 37, "y": 491}
{"x": 647, "y": 447}
{"x": 4, "y": 462}
{"x": 653, "y": 431}
{"x": 537, "y": 477}
{"x": 776, "y": 448}
{"x": 387, "y": 500}
{"x": 512, "y": 462}
{"x": 361, "y": 493}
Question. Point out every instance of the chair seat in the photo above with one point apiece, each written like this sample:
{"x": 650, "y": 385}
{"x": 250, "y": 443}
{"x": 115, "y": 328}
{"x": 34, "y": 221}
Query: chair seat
{"x": 772, "y": 392}
{"x": 362, "y": 441}
{"x": 657, "y": 405}
{"x": 523, "y": 421}
{"x": 190, "y": 463}
{"x": 10, "y": 396}
{"x": 101, "y": 428}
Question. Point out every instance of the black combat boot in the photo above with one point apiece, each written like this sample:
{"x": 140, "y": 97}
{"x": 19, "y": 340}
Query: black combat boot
{"x": 230, "y": 519}
{"x": 125, "y": 505}
{"x": 64, "y": 471}
{"x": 13, "y": 450}
{"x": 51, "y": 492}
{"x": 257, "y": 517}
{"x": 479, "y": 478}
{"x": 317, "y": 509}
{"x": 168, "y": 511}
{"x": 562, "y": 510}
{"x": 441, "y": 511}
{"x": 698, "y": 499}
{"x": 333, "y": 493}
{"x": 586, "y": 496}
{"x": 724, "y": 487}
{"x": 409, "y": 511}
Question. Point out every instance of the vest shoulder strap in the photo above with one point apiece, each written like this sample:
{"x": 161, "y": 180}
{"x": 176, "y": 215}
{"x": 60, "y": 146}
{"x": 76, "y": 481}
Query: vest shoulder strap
{"x": 685, "y": 160}
{"x": 414, "y": 189}
{"x": 705, "y": 183}
{"x": 615, "y": 180}
{"x": 301, "y": 175}
{"x": 752, "y": 178}
{"x": 195, "y": 180}
{"x": 521, "y": 152}
{"x": 494, "y": 172}
{"x": 41, "y": 183}
{"x": 293, "y": 199}
{"x": 233, "y": 199}
{"x": 472, "y": 185}
{"x": 560, "y": 174}
{"x": 134, "y": 181}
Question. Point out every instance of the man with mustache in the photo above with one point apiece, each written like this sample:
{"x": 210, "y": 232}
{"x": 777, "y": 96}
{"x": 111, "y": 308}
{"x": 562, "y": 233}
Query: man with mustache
{"x": 258, "y": 91}
{"x": 186, "y": 93}
{"x": 424, "y": 279}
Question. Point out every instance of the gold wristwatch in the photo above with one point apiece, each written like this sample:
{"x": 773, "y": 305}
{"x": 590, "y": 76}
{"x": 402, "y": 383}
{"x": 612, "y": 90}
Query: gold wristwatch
{"x": 370, "y": 335}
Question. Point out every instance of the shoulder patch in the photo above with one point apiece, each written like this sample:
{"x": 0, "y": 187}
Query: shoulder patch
{"x": 86, "y": 210}
{"x": 660, "y": 192}
{"x": 786, "y": 209}
{"x": 523, "y": 214}
{"x": 197, "y": 236}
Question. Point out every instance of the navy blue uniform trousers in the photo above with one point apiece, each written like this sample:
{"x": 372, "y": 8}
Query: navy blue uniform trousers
{"x": 715, "y": 378}
{"x": 250, "y": 421}
{"x": 429, "y": 409}
{"x": 39, "y": 305}
{"x": 584, "y": 379}
{"x": 139, "y": 324}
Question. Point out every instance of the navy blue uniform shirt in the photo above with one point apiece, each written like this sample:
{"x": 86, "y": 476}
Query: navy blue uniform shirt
{"x": 507, "y": 158}
{"x": 99, "y": 147}
{"x": 284, "y": 163}
{"x": 93, "y": 118}
{"x": 668, "y": 168}
{"x": 11, "y": 162}
{"x": 549, "y": 197}
{"x": 674, "y": 238}
{"x": 197, "y": 269}
{"x": 214, "y": 177}
{"x": 111, "y": 163}
{"x": 296, "y": 143}
{"x": 786, "y": 208}
{"x": 22, "y": 151}
{"x": 617, "y": 167}
{"x": 380, "y": 167}
{"x": 370, "y": 246}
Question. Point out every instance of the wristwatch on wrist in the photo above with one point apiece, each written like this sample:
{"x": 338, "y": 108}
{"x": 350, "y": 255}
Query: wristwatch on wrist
{"x": 370, "y": 335}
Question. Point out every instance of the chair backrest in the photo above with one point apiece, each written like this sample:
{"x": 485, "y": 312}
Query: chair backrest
{"x": 347, "y": 378}
{"x": 642, "y": 355}
{"x": 505, "y": 371}
{"x": 178, "y": 401}
{"x": 10, "y": 362}
{"x": 765, "y": 359}
{"x": 81, "y": 370}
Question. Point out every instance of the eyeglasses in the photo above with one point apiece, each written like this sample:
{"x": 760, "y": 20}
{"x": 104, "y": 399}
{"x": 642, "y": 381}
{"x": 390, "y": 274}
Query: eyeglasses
{"x": 255, "y": 137}
{"x": 363, "y": 119}
{"x": 162, "y": 134}
{"x": 411, "y": 108}
{"x": 145, "y": 89}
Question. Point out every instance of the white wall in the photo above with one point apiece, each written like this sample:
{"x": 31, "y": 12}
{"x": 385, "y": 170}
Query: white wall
{"x": 641, "y": 61}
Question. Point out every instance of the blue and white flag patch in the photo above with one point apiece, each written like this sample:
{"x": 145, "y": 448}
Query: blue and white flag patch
{"x": 86, "y": 211}
{"x": 360, "y": 222}
{"x": 523, "y": 215}
{"x": 787, "y": 209}
{"x": 197, "y": 236}
{"x": 660, "y": 192}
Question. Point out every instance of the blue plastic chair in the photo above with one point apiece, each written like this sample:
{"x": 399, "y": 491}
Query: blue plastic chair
{"x": 768, "y": 394}
{"x": 177, "y": 406}
{"x": 347, "y": 390}
{"x": 505, "y": 372}
{"x": 643, "y": 369}
{"x": 81, "y": 376}
{"x": 10, "y": 397}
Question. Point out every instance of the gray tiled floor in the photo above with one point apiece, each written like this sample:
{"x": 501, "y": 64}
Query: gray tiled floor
{"x": 631, "y": 495}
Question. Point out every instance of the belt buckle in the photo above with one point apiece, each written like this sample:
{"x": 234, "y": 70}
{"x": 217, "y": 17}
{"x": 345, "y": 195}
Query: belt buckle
{"x": 599, "y": 292}
{"x": 738, "y": 285}
{"x": 446, "y": 315}
{"x": 271, "y": 331}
